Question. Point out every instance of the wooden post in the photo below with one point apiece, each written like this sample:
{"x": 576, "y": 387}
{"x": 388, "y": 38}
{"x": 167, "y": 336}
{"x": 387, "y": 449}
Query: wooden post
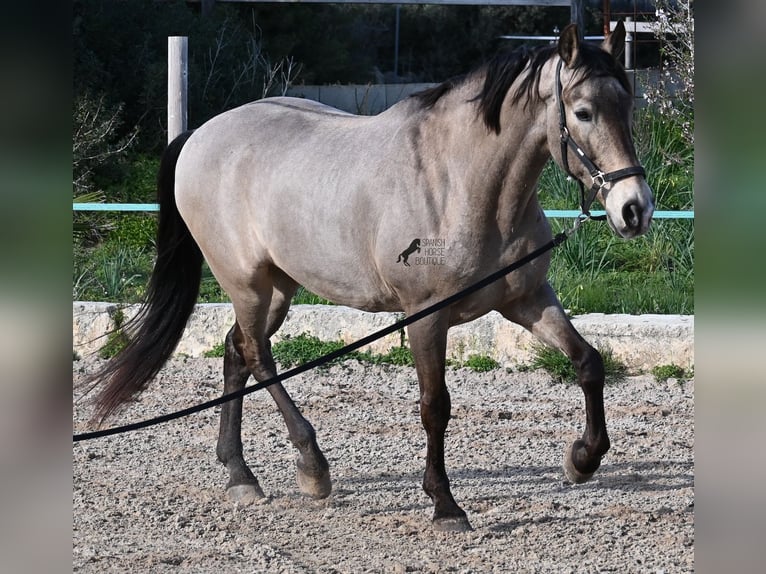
{"x": 178, "y": 83}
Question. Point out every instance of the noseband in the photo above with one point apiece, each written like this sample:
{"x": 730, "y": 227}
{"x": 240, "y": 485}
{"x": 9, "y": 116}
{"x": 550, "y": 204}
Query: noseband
{"x": 600, "y": 179}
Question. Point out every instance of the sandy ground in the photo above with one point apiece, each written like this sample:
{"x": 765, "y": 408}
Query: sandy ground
{"x": 154, "y": 500}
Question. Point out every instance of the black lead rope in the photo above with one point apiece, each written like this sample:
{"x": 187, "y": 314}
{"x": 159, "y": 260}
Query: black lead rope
{"x": 323, "y": 360}
{"x": 599, "y": 180}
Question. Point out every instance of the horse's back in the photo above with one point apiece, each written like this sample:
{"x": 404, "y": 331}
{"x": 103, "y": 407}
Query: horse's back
{"x": 287, "y": 102}
{"x": 293, "y": 183}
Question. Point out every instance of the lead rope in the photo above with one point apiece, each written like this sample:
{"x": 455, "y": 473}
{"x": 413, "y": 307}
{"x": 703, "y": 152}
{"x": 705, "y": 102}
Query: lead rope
{"x": 558, "y": 239}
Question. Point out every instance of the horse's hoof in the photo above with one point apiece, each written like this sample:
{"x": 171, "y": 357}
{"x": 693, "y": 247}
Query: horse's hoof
{"x": 317, "y": 487}
{"x": 250, "y": 493}
{"x": 452, "y": 524}
{"x": 573, "y": 475}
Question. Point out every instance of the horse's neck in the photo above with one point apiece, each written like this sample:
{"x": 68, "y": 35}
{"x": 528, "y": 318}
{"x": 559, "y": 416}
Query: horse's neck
{"x": 498, "y": 172}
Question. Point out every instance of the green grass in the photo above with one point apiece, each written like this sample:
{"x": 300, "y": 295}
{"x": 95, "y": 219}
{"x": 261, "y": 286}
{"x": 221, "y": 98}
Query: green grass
{"x": 300, "y": 349}
{"x": 478, "y": 363}
{"x": 662, "y": 373}
{"x": 117, "y": 339}
{"x": 218, "y": 351}
{"x": 306, "y": 297}
{"x": 560, "y": 368}
{"x": 400, "y": 356}
{"x": 293, "y": 351}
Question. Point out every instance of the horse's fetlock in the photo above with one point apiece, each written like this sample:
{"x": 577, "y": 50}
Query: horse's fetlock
{"x": 304, "y": 439}
{"x": 602, "y": 446}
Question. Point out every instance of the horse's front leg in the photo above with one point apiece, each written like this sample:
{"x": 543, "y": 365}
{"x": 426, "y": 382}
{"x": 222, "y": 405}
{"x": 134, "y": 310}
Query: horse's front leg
{"x": 428, "y": 341}
{"x": 542, "y": 314}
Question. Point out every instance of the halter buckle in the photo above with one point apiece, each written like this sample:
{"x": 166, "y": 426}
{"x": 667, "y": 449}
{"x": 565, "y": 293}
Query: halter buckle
{"x": 599, "y": 180}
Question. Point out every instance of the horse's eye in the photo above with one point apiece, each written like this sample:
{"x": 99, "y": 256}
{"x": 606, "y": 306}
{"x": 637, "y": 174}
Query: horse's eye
{"x": 583, "y": 116}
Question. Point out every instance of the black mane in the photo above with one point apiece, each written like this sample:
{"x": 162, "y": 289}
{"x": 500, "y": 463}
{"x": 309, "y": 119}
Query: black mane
{"x": 502, "y": 70}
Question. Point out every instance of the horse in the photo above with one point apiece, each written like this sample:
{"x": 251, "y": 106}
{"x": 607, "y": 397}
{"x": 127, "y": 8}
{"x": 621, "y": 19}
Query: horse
{"x": 283, "y": 192}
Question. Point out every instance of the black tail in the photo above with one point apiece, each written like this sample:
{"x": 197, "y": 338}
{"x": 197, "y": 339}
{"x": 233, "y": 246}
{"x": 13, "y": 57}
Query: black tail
{"x": 170, "y": 299}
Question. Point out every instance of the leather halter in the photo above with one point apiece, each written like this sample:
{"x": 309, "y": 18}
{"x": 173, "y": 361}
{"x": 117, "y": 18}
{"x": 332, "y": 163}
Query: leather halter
{"x": 600, "y": 179}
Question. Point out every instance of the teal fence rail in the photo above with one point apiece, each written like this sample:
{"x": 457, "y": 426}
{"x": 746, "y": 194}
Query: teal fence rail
{"x": 548, "y": 212}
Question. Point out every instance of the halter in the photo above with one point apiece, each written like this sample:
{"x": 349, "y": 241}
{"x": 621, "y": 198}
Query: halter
{"x": 600, "y": 179}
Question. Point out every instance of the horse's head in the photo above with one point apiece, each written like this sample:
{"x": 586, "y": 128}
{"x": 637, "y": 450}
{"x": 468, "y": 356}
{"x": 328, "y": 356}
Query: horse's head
{"x": 589, "y": 129}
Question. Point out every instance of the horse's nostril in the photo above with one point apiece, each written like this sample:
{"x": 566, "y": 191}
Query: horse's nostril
{"x": 631, "y": 214}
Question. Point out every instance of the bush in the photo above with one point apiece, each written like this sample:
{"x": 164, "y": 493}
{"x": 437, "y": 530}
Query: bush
{"x": 481, "y": 363}
{"x": 110, "y": 272}
{"x": 135, "y": 231}
{"x": 298, "y": 350}
{"x": 400, "y": 356}
{"x": 662, "y": 373}
{"x": 673, "y": 97}
{"x": 558, "y": 365}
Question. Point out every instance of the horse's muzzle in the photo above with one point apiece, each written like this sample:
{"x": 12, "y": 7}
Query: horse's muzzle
{"x": 634, "y": 221}
{"x": 629, "y": 208}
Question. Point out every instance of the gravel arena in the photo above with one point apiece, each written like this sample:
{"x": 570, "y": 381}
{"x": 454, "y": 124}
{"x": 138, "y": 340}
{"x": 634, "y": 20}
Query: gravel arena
{"x": 154, "y": 500}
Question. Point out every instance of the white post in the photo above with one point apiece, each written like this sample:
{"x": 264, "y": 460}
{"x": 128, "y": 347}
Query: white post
{"x": 629, "y": 28}
{"x": 577, "y": 16}
{"x": 178, "y": 82}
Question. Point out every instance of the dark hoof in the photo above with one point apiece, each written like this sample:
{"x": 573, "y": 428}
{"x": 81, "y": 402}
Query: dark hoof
{"x": 571, "y": 473}
{"x": 452, "y": 524}
{"x": 315, "y": 486}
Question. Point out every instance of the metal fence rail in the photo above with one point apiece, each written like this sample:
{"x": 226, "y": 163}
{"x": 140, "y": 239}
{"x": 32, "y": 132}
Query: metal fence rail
{"x": 548, "y": 212}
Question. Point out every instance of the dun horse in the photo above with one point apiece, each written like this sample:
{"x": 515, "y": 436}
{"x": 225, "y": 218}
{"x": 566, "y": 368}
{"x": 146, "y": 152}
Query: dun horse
{"x": 284, "y": 192}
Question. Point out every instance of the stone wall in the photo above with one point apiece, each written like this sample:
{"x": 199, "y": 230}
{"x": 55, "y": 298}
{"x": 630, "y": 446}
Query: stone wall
{"x": 639, "y": 341}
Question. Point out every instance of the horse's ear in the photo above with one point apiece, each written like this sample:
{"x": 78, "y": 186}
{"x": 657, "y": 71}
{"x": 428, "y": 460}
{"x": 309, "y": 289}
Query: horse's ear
{"x": 569, "y": 44}
{"x": 614, "y": 43}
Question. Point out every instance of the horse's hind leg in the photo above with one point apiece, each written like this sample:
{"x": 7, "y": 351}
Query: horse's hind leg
{"x": 242, "y": 486}
{"x": 252, "y": 345}
{"x": 542, "y": 314}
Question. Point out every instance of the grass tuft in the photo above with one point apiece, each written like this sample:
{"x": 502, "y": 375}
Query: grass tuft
{"x": 400, "y": 356}
{"x": 558, "y": 365}
{"x": 218, "y": 351}
{"x": 117, "y": 339}
{"x": 662, "y": 373}
{"x": 480, "y": 363}
{"x": 294, "y": 351}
